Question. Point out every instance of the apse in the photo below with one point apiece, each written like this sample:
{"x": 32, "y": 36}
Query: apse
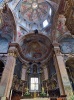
{"x": 35, "y": 47}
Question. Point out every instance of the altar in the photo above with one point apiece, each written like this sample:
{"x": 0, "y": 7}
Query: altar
{"x": 37, "y": 99}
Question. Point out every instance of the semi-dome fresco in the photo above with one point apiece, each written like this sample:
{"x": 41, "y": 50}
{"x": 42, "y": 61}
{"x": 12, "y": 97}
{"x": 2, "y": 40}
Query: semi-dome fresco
{"x": 36, "y": 47}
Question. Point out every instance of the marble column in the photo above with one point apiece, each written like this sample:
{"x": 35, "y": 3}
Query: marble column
{"x": 45, "y": 70}
{"x": 63, "y": 80}
{"x": 7, "y": 76}
{"x": 23, "y": 74}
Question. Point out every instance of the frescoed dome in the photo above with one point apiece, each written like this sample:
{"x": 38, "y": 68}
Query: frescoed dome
{"x": 34, "y": 10}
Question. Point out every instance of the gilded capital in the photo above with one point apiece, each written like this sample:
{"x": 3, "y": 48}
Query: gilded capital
{"x": 12, "y": 51}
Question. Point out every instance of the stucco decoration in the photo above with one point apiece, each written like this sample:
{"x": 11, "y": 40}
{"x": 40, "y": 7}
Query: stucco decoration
{"x": 67, "y": 45}
{"x": 61, "y": 28}
{"x": 61, "y": 23}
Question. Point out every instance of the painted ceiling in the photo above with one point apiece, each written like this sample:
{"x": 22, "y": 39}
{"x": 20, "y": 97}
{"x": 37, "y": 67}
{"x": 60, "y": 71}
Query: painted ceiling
{"x": 31, "y": 14}
{"x": 34, "y": 10}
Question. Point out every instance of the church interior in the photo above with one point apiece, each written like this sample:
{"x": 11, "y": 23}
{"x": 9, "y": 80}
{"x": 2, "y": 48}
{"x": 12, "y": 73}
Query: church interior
{"x": 37, "y": 49}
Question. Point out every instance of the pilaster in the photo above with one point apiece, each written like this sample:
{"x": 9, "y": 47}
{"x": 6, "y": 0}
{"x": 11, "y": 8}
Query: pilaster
{"x": 7, "y": 76}
{"x": 23, "y": 74}
{"x": 63, "y": 80}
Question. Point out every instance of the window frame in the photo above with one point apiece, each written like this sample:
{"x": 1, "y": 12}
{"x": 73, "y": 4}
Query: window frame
{"x": 39, "y": 85}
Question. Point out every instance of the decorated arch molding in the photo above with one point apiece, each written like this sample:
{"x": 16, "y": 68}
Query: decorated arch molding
{"x": 34, "y": 47}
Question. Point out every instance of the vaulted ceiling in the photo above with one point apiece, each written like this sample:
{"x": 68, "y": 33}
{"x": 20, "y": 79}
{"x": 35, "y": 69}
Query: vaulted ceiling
{"x": 39, "y": 14}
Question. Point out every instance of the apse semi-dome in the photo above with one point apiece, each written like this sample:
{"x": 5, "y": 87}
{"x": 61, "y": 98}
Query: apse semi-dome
{"x": 35, "y": 47}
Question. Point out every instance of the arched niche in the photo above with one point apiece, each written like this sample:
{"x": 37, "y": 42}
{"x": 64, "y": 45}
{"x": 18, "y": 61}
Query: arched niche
{"x": 7, "y": 30}
{"x": 70, "y": 70}
{"x": 1, "y": 68}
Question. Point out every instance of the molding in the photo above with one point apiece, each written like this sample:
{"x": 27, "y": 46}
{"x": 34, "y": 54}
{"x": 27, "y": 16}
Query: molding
{"x": 19, "y": 53}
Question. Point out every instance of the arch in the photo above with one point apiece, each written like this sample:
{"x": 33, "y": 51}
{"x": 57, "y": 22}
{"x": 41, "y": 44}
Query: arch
{"x": 8, "y": 29}
{"x": 14, "y": 24}
{"x": 35, "y": 46}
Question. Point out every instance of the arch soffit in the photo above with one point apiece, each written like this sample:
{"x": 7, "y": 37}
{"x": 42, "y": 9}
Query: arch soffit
{"x": 15, "y": 24}
{"x": 6, "y": 12}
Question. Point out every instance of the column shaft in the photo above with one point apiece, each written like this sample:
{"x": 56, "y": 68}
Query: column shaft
{"x": 7, "y": 76}
{"x": 64, "y": 76}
